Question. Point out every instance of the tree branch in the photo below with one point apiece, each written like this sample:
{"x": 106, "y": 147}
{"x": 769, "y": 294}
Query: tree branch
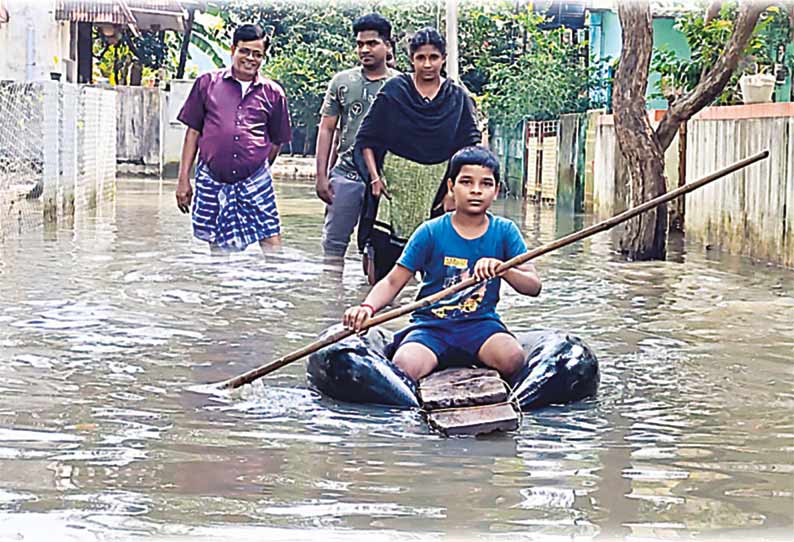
{"x": 712, "y": 84}
{"x": 631, "y": 77}
{"x": 713, "y": 11}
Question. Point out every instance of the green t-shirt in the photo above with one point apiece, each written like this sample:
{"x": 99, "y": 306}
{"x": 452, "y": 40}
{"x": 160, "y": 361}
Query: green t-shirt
{"x": 349, "y": 97}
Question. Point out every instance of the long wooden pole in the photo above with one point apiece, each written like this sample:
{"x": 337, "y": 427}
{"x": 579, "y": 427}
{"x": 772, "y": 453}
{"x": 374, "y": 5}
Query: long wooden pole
{"x": 263, "y": 370}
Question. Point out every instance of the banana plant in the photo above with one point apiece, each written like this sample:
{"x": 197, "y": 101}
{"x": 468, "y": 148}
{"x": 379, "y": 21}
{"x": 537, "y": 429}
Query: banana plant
{"x": 207, "y": 44}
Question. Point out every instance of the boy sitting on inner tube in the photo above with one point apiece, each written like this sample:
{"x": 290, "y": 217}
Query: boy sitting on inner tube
{"x": 446, "y": 250}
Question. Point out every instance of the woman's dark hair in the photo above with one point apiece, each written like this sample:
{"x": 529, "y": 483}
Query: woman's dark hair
{"x": 427, "y": 36}
{"x": 376, "y": 22}
{"x": 473, "y": 156}
{"x": 250, "y": 32}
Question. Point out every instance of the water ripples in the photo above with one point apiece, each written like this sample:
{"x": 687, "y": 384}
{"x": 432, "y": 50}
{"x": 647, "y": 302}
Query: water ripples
{"x": 105, "y": 328}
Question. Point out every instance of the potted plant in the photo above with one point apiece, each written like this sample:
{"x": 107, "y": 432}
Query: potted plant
{"x": 758, "y": 87}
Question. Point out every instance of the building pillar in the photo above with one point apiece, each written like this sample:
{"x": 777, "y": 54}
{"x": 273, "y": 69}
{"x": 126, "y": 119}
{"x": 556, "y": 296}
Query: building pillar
{"x": 85, "y": 53}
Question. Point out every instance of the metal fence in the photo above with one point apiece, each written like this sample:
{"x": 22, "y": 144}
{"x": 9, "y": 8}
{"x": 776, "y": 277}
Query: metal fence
{"x": 57, "y": 152}
{"x": 508, "y": 144}
{"x": 541, "y": 167}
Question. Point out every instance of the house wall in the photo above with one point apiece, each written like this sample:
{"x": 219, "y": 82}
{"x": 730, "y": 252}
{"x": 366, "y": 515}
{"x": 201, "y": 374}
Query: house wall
{"x": 664, "y": 35}
{"x": 34, "y": 44}
{"x": 606, "y": 36}
{"x": 607, "y": 44}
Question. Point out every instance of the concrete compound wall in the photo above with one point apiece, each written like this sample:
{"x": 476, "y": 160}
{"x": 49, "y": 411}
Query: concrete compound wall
{"x": 149, "y": 137}
{"x": 507, "y": 142}
{"x": 747, "y": 213}
{"x": 141, "y": 129}
{"x": 608, "y": 179}
{"x": 571, "y": 147}
{"x": 173, "y": 130}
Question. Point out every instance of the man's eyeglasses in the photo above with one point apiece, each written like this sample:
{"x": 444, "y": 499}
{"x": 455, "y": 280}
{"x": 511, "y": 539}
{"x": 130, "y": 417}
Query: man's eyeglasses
{"x": 246, "y": 52}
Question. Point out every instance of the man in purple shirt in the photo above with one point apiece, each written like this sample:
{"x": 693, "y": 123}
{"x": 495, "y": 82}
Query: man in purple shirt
{"x": 237, "y": 120}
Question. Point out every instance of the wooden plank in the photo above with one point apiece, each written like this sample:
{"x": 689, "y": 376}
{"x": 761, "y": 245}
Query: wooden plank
{"x": 477, "y": 420}
{"x": 467, "y": 401}
{"x": 460, "y": 387}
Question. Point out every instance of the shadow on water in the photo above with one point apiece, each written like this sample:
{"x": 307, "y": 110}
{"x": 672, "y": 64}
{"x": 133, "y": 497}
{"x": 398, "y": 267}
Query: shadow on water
{"x": 107, "y": 322}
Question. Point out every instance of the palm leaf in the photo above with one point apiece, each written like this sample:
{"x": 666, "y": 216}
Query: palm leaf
{"x": 207, "y": 48}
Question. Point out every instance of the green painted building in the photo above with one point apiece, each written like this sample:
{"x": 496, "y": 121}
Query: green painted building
{"x": 605, "y": 41}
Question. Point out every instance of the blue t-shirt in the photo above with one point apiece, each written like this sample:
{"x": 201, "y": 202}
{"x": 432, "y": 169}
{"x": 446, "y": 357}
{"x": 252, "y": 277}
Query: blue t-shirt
{"x": 445, "y": 258}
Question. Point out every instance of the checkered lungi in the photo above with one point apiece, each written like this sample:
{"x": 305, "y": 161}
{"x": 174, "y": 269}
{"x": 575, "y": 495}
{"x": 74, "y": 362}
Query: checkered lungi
{"x": 235, "y": 215}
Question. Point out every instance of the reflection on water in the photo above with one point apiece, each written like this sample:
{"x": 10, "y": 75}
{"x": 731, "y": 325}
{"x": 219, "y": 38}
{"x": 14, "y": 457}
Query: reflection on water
{"x": 105, "y": 325}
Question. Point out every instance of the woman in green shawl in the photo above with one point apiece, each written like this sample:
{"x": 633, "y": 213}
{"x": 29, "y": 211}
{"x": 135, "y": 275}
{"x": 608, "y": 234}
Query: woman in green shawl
{"x": 417, "y": 122}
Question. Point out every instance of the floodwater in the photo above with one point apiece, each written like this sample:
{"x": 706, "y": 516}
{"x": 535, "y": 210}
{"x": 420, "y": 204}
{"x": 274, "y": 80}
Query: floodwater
{"x": 105, "y": 324}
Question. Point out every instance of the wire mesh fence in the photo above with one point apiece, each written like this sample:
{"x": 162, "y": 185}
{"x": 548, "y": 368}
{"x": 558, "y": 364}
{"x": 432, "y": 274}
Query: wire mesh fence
{"x": 57, "y": 152}
{"x": 21, "y": 155}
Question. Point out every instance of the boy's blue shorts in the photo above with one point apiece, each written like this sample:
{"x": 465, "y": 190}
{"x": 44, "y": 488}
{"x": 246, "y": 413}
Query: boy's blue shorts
{"x": 453, "y": 343}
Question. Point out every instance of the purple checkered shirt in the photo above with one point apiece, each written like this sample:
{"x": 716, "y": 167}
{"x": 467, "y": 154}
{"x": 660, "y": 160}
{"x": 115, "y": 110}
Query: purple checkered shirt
{"x": 237, "y": 132}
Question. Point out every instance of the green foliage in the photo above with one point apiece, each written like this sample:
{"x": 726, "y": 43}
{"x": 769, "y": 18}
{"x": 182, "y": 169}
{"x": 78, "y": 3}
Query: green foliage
{"x": 207, "y": 40}
{"x": 707, "y": 42}
{"x": 305, "y": 73}
{"x": 531, "y": 72}
{"x": 309, "y": 45}
{"x": 774, "y": 30}
{"x": 156, "y": 52}
{"x": 513, "y": 68}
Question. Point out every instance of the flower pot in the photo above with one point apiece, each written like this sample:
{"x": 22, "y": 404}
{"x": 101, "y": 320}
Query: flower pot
{"x": 757, "y": 88}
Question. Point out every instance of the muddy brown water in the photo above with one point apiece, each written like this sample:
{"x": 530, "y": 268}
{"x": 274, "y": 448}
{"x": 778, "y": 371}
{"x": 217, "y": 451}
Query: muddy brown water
{"x": 105, "y": 323}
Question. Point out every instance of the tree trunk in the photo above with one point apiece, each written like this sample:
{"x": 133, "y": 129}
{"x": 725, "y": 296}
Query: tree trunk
{"x": 642, "y": 147}
{"x": 678, "y": 211}
{"x": 713, "y": 82}
{"x": 180, "y": 70}
{"x": 645, "y": 236}
{"x": 311, "y": 137}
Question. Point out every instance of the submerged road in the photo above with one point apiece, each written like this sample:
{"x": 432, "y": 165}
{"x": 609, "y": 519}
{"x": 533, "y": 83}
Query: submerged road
{"x": 104, "y": 324}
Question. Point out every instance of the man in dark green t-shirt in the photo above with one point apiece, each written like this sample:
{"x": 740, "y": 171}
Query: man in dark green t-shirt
{"x": 348, "y": 99}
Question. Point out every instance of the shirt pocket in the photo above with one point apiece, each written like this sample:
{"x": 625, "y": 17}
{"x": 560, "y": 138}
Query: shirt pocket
{"x": 256, "y": 118}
